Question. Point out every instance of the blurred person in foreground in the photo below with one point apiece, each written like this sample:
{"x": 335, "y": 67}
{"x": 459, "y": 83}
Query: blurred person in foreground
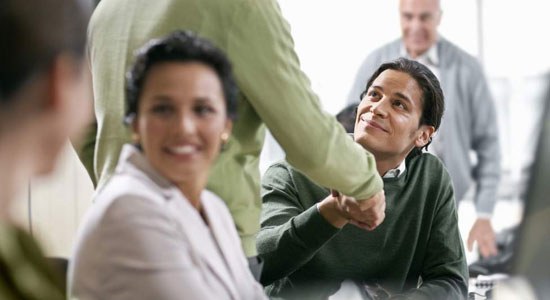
{"x": 310, "y": 243}
{"x": 470, "y": 122}
{"x": 44, "y": 99}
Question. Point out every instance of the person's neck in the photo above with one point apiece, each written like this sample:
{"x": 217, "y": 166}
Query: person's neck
{"x": 193, "y": 195}
{"x": 384, "y": 164}
{"x": 192, "y": 191}
{"x": 12, "y": 178}
{"x": 194, "y": 198}
{"x": 5, "y": 203}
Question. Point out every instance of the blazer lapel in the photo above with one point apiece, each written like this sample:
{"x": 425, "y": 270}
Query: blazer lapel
{"x": 203, "y": 246}
{"x": 229, "y": 249}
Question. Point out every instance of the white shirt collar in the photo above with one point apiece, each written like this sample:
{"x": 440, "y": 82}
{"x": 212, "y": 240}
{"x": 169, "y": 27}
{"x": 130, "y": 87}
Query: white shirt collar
{"x": 429, "y": 57}
{"x": 395, "y": 173}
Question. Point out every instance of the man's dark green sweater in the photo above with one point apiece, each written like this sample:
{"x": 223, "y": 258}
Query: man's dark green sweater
{"x": 417, "y": 251}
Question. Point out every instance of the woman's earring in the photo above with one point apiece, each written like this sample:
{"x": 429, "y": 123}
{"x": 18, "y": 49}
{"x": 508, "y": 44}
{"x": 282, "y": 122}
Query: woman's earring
{"x": 224, "y": 137}
{"x": 135, "y": 138}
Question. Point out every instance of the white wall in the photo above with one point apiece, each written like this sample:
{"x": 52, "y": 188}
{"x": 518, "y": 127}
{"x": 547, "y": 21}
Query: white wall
{"x": 57, "y": 204}
{"x": 332, "y": 38}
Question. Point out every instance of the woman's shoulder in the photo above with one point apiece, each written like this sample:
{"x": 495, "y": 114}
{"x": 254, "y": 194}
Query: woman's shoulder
{"x": 214, "y": 201}
{"x": 125, "y": 198}
{"x": 123, "y": 185}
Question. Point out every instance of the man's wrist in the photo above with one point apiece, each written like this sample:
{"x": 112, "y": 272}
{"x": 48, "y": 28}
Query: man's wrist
{"x": 327, "y": 209}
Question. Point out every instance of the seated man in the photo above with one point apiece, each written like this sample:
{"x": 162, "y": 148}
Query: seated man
{"x": 308, "y": 239}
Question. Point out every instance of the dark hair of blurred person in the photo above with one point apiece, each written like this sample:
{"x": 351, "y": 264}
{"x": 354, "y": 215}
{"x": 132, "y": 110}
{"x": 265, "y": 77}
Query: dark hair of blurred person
{"x": 44, "y": 99}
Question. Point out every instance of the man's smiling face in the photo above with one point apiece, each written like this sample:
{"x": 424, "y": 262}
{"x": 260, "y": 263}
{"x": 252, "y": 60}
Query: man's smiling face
{"x": 388, "y": 117}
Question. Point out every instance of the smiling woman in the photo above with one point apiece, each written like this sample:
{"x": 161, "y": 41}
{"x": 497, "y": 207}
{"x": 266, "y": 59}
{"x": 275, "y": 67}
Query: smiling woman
{"x": 181, "y": 123}
{"x": 156, "y": 232}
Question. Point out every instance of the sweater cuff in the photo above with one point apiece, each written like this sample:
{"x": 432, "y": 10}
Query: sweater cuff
{"x": 312, "y": 228}
{"x": 485, "y": 200}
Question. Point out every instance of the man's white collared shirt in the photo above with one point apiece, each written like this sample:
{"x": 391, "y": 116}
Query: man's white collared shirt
{"x": 395, "y": 173}
{"x": 429, "y": 58}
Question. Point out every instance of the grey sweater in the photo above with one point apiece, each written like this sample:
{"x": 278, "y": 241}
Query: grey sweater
{"x": 469, "y": 122}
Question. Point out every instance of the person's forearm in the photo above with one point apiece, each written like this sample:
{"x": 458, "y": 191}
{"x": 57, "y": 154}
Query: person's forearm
{"x": 281, "y": 95}
{"x": 289, "y": 246}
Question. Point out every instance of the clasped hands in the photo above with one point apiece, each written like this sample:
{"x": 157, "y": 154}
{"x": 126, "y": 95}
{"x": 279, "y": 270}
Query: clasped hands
{"x": 340, "y": 210}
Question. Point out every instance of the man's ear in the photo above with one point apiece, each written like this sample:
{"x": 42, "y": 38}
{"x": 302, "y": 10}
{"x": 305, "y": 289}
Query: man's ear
{"x": 424, "y": 134}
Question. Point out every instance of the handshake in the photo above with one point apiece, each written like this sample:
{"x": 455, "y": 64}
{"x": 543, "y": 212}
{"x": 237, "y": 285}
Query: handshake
{"x": 340, "y": 210}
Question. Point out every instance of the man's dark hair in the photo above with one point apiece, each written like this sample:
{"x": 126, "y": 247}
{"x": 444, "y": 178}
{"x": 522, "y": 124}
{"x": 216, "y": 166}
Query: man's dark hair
{"x": 433, "y": 102}
{"x": 179, "y": 46}
{"x": 33, "y": 34}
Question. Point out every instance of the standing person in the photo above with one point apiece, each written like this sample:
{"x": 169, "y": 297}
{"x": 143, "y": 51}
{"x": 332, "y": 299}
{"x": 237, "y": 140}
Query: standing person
{"x": 44, "y": 99}
{"x": 155, "y": 232}
{"x": 273, "y": 92}
{"x": 470, "y": 122}
{"x": 309, "y": 243}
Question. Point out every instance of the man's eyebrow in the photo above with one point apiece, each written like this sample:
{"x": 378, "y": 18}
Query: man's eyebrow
{"x": 203, "y": 99}
{"x": 403, "y": 97}
{"x": 398, "y": 94}
{"x": 426, "y": 15}
{"x": 377, "y": 87}
{"x": 161, "y": 98}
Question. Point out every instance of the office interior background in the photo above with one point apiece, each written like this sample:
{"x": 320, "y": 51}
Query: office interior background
{"x": 332, "y": 38}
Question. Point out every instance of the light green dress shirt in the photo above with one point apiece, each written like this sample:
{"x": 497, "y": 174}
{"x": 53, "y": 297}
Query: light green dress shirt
{"x": 273, "y": 91}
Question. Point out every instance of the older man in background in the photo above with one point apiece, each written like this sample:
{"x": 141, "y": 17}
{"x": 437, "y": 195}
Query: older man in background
{"x": 470, "y": 122}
